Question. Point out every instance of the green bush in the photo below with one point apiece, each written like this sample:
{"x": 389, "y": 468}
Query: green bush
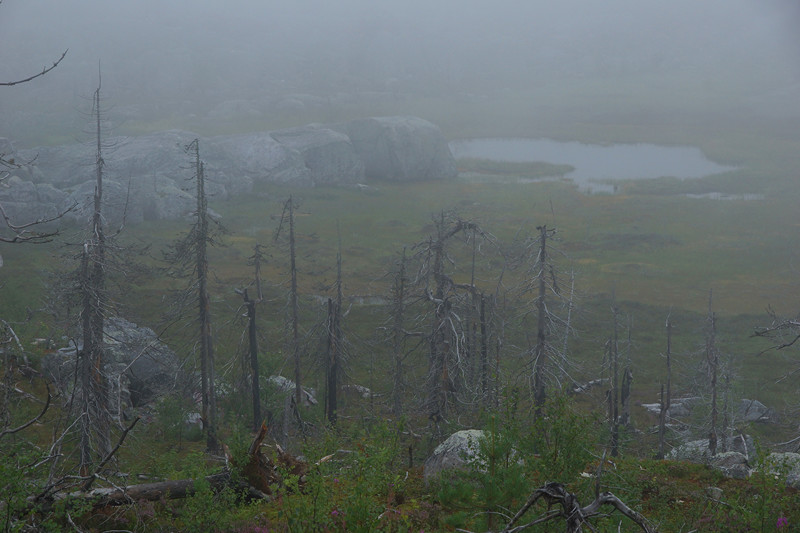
{"x": 512, "y": 460}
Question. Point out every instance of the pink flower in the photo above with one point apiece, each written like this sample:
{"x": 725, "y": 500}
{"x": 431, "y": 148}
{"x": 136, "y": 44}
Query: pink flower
{"x": 782, "y": 521}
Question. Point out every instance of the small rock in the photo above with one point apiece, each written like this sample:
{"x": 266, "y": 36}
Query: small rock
{"x": 455, "y": 452}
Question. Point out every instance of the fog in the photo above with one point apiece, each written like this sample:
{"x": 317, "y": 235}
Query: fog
{"x": 189, "y": 56}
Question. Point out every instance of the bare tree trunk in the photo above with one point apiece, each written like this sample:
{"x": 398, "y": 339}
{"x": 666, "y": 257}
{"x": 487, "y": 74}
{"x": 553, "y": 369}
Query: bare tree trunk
{"x": 293, "y": 403}
{"x": 712, "y": 357}
{"x": 498, "y": 348}
{"x": 540, "y": 352}
{"x": 332, "y": 362}
{"x": 484, "y": 360}
{"x": 725, "y": 412}
{"x": 614, "y": 352}
{"x": 94, "y": 417}
{"x": 665, "y": 402}
{"x": 398, "y": 335}
{"x": 439, "y": 343}
{"x": 298, "y": 389}
{"x": 85, "y": 368}
{"x": 449, "y": 367}
{"x": 209, "y": 405}
{"x": 252, "y": 336}
{"x": 568, "y": 329}
{"x": 627, "y": 380}
{"x": 471, "y": 331}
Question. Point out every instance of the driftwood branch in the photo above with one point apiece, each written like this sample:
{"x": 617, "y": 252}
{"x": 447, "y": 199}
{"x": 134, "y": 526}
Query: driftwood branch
{"x": 572, "y": 512}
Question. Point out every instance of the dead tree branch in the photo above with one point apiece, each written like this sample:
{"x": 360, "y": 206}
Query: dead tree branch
{"x": 21, "y": 232}
{"x": 44, "y": 71}
{"x": 93, "y": 477}
{"x": 571, "y": 511}
{"x": 30, "y": 422}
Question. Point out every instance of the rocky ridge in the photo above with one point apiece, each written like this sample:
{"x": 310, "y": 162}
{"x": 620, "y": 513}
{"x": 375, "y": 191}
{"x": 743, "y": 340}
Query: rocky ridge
{"x": 146, "y": 176}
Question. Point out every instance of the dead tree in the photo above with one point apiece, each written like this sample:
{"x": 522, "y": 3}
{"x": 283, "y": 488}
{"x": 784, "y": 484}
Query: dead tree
{"x": 781, "y": 333}
{"x": 613, "y": 396}
{"x": 726, "y": 423}
{"x": 447, "y": 365}
{"x": 540, "y": 294}
{"x": 398, "y": 335}
{"x": 620, "y": 393}
{"x": 288, "y": 217}
{"x": 204, "y": 304}
{"x": 483, "y": 372}
{"x": 665, "y": 400}
{"x": 499, "y": 325}
{"x": 95, "y": 422}
{"x": 252, "y": 336}
{"x": 570, "y": 510}
{"x": 492, "y": 327}
{"x": 712, "y": 360}
{"x": 540, "y": 352}
{"x": 625, "y": 397}
{"x": 334, "y": 345}
{"x": 188, "y": 258}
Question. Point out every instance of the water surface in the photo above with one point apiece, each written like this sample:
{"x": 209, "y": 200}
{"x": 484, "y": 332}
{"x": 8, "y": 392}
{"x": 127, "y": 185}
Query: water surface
{"x": 596, "y": 163}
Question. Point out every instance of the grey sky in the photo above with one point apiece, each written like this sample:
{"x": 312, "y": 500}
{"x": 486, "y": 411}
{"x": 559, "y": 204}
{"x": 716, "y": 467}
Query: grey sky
{"x": 238, "y": 48}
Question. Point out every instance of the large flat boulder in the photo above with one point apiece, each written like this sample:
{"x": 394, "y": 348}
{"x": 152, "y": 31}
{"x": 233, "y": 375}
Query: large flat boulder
{"x": 327, "y": 154}
{"x": 145, "y": 198}
{"x": 400, "y": 148}
{"x": 124, "y": 158}
{"x": 147, "y": 177}
{"x": 257, "y": 156}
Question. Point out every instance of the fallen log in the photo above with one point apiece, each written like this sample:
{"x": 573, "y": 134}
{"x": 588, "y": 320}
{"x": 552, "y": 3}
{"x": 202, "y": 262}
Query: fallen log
{"x": 259, "y": 474}
{"x": 162, "y": 490}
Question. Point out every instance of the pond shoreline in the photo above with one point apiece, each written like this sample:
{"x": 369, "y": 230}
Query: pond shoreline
{"x": 596, "y": 166}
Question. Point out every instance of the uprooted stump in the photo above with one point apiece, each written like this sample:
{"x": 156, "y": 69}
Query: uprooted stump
{"x": 261, "y": 472}
{"x": 571, "y": 511}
